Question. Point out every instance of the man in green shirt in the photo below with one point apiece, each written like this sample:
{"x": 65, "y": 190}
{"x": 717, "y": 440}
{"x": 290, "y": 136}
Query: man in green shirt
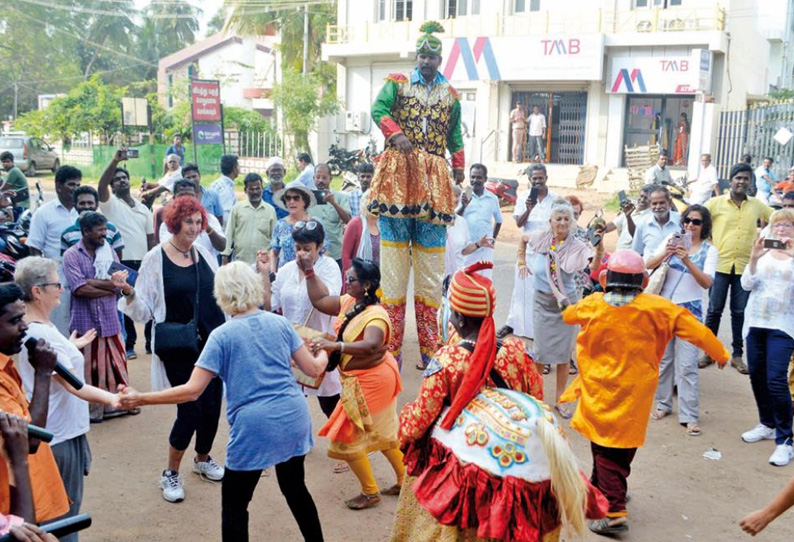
{"x": 332, "y": 210}
{"x": 14, "y": 180}
{"x": 251, "y": 224}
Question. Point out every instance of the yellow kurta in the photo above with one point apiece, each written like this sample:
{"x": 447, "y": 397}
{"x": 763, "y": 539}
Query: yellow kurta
{"x": 619, "y": 350}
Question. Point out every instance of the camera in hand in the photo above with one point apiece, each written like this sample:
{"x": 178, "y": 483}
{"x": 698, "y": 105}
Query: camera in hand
{"x": 533, "y": 195}
{"x": 132, "y": 153}
{"x": 623, "y": 198}
{"x": 319, "y": 195}
{"x": 774, "y": 243}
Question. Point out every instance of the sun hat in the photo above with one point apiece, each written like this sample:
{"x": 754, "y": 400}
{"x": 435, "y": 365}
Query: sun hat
{"x": 278, "y": 197}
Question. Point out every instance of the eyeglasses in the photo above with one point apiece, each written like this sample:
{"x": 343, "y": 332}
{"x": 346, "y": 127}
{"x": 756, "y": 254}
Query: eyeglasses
{"x": 783, "y": 225}
{"x": 293, "y": 197}
{"x": 693, "y": 221}
{"x": 351, "y": 279}
{"x": 45, "y": 284}
{"x": 309, "y": 225}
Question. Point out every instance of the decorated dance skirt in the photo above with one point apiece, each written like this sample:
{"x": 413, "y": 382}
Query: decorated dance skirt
{"x": 413, "y": 185}
{"x": 489, "y": 475}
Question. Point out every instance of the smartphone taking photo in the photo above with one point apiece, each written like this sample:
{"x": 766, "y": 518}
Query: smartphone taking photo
{"x": 623, "y": 198}
{"x": 319, "y": 195}
{"x": 774, "y": 243}
{"x": 533, "y": 195}
{"x": 132, "y": 153}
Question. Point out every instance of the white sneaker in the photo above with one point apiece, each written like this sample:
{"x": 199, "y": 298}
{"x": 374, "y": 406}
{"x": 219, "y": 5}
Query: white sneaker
{"x": 171, "y": 484}
{"x": 758, "y": 433}
{"x": 783, "y": 454}
{"x": 208, "y": 469}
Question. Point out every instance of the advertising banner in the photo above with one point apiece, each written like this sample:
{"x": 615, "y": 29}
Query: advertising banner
{"x": 205, "y": 98}
{"x": 647, "y": 74}
{"x": 524, "y": 58}
{"x": 208, "y": 134}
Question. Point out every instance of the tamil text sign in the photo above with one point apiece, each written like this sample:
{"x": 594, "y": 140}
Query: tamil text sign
{"x": 524, "y": 58}
{"x": 206, "y": 99}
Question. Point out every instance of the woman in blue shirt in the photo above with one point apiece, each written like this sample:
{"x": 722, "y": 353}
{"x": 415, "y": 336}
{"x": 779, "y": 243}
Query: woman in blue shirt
{"x": 269, "y": 422}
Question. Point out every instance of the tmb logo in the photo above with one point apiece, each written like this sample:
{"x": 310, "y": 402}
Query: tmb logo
{"x": 629, "y": 80}
{"x": 561, "y": 47}
{"x": 674, "y": 65}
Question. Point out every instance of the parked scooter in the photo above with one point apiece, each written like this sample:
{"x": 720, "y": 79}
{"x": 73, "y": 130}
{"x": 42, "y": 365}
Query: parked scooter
{"x": 504, "y": 189}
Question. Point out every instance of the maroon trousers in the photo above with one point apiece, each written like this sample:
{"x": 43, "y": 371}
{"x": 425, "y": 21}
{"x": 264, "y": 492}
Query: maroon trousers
{"x": 611, "y": 468}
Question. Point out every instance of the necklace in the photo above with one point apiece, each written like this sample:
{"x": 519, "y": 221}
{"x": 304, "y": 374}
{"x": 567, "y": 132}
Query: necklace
{"x": 468, "y": 341}
{"x": 185, "y": 253}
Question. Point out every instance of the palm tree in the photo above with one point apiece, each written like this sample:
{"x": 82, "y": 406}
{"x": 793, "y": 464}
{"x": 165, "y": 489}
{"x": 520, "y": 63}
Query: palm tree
{"x": 105, "y": 32}
{"x": 175, "y": 25}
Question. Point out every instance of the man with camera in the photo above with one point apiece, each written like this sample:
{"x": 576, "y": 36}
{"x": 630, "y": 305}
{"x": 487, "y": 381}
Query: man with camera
{"x": 734, "y": 216}
{"x": 662, "y": 221}
{"x": 332, "y": 210}
{"x": 479, "y": 207}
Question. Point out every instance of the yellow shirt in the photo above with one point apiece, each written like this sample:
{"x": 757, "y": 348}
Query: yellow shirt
{"x": 619, "y": 350}
{"x": 249, "y": 229}
{"x": 734, "y": 230}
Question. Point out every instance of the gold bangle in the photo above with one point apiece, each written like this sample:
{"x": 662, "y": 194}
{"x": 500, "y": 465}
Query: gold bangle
{"x": 522, "y": 263}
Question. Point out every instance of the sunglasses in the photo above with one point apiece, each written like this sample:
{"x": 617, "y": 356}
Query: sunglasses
{"x": 293, "y": 197}
{"x": 309, "y": 225}
{"x": 693, "y": 221}
{"x": 45, "y": 284}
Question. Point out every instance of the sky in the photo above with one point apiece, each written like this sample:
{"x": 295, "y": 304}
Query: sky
{"x": 210, "y": 8}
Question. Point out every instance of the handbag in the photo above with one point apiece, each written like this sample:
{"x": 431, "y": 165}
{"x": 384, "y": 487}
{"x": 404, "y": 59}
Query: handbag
{"x": 174, "y": 340}
{"x": 657, "y": 278}
{"x": 305, "y": 332}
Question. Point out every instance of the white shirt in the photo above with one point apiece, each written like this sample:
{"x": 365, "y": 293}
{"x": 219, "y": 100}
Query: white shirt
{"x": 149, "y": 303}
{"x": 540, "y": 214}
{"x": 624, "y": 235}
{"x": 134, "y": 225}
{"x": 169, "y": 180}
{"x": 682, "y": 287}
{"x": 771, "y": 301}
{"x": 224, "y": 187}
{"x": 289, "y": 294}
{"x": 67, "y": 415}
{"x": 203, "y": 239}
{"x": 701, "y": 188}
{"x": 46, "y": 227}
{"x": 537, "y": 123}
{"x": 457, "y": 239}
{"x": 306, "y": 177}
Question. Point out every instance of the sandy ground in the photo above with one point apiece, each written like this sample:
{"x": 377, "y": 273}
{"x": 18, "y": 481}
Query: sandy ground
{"x": 677, "y": 495}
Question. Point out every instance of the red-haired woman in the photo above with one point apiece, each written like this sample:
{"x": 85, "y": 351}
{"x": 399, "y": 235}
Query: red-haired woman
{"x": 172, "y": 278}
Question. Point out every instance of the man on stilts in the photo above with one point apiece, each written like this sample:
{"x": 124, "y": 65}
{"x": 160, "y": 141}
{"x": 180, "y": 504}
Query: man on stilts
{"x": 419, "y": 116}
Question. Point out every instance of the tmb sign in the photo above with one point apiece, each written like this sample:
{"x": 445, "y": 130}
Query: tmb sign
{"x": 206, "y": 99}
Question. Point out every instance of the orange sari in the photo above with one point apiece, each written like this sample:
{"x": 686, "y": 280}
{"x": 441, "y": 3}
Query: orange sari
{"x": 365, "y": 419}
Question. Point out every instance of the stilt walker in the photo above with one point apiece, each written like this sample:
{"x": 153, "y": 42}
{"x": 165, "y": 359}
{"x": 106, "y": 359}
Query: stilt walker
{"x": 419, "y": 115}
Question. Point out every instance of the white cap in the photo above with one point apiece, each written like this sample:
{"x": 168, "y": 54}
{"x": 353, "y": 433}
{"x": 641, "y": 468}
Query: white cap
{"x": 274, "y": 161}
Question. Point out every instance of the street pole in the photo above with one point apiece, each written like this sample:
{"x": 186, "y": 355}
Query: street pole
{"x": 305, "y": 39}
{"x": 16, "y": 98}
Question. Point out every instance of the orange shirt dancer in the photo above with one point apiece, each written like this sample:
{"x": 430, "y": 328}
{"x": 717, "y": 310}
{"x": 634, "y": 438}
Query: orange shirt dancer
{"x": 624, "y": 335}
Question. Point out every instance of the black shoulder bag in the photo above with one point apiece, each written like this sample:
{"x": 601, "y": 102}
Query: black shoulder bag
{"x": 174, "y": 341}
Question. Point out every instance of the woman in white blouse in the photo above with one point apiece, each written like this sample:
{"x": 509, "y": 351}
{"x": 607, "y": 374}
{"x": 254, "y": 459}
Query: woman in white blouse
{"x": 769, "y": 332}
{"x": 289, "y": 294}
{"x": 693, "y": 263}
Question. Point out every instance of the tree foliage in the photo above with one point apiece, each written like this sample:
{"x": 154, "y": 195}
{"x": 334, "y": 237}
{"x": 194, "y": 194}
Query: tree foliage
{"x": 301, "y": 100}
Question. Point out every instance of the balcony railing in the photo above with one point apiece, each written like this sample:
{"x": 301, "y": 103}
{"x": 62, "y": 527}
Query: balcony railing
{"x": 540, "y": 23}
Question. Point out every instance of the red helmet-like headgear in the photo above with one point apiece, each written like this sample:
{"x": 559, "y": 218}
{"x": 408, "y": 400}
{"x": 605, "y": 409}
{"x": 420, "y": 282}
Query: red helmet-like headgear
{"x": 626, "y": 270}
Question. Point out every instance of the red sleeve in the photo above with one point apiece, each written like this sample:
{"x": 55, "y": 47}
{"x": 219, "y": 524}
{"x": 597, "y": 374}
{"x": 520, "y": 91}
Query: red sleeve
{"x": 350, "y": 242}
{"x": 390, "y": 128}
{"x": 458, "y": 160}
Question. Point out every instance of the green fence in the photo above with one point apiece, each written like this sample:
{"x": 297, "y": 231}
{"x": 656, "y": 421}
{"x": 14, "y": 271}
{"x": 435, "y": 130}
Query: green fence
{"x": 151, "y": 158}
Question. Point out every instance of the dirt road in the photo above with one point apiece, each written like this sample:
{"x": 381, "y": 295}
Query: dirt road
{"x": 676, "y": 494}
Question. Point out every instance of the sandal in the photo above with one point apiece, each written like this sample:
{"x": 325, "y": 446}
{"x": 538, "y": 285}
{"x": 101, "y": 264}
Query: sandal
{"x": 362, "y": 502}
{"x": 421, "y": 366}
{"x": 340, "y": 467}
{"x": 609, "y": 526}
{"x": 573, "y": 369}
{"x": 692, "y": 429}
{"x": 393, "y": 490}
{"x": 546, "y": 369}
{"x": 504, "y": 331}
{"x": 563, "y": 412}
{"x": 658, "y": 414}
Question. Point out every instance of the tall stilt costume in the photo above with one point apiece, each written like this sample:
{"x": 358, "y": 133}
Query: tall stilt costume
{"x": 412, "y": 191}
{"x": 486, "y": 459}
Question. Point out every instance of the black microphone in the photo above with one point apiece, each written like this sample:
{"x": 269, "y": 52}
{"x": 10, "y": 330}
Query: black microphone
{"x": 60, "y": 528}
{"x": 63, "y": 372}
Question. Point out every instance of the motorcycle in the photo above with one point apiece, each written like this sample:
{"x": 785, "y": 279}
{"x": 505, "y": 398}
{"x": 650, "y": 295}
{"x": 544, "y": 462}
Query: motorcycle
{"x": 678, "y": 192}
{"x": 342, "y": 160}
{"x": 504, "y": 189}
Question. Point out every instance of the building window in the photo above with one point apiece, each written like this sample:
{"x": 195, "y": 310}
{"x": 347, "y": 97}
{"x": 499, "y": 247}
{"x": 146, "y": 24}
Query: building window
{"x": 460, "y": 8}
{"x": 522, "y": 6}
{"x": 170, "y": 89}
{"x": 662, "y": 4}
{"x": 382, "y": 10}
{"x": 403, "y": 10}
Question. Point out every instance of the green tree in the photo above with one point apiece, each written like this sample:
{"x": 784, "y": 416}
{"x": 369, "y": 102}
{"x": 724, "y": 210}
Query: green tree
{"x": 218, "y": 21}
{"x": 302, "y": 100}
{"x": 166, "y": 29}
{"x": 108, "y": 33}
